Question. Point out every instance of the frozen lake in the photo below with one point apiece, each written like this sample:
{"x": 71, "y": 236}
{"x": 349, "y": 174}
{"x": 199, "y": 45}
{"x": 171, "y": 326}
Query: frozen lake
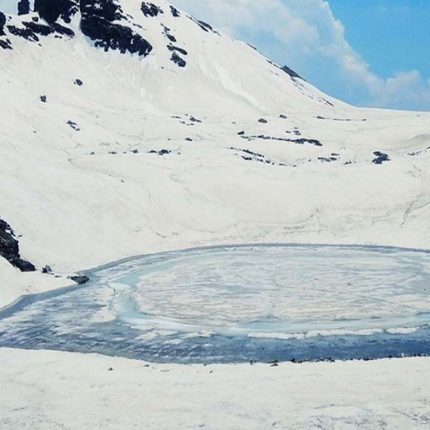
{"x": 239, "y": 303}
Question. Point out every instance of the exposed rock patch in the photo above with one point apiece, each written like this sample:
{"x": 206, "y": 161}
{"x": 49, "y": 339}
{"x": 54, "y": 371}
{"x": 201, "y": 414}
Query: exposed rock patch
{"x": 2, "y": 23}
{"x": 291, "y": 72}
{"x": 299, "y": 141}
{"x": 97, "y": 24}
{"x": 51, "y": 10}
{"x": 9, "y": 248}
{"x": 80, "y": 279}
{"x": 380, "y": 157}
{"x": 175, "y": 12}
{"x": 178, "y": 60}
{"x": 150, "y": 9}
{"x": 23, "y": 7}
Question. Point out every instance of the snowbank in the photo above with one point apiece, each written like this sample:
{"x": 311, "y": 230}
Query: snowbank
{"x": 47, "y": 390}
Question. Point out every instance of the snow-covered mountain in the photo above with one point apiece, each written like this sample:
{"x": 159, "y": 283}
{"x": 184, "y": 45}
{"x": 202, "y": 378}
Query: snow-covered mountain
{"x": 128, "y": 127}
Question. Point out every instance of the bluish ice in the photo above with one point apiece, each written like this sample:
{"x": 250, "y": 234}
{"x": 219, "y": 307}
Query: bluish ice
{"x": 238, "y": 303}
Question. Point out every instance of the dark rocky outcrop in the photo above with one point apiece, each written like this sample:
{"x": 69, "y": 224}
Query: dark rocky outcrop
{"x": 299, "y": 141}
{"x": 380, "y": 157}
{"x": 175, "y": 12}
{"x": 73, "y": 125}
{"x": 80, "y": 279}
{"x": 51, "y": 10}
{"x": 178, "y": 60}
{"x": 205, "y": 26}
{"x": 166, "y": 32}
{"x": 291, "y": 72}
{"x": 150, "y": 9}
{"x": 2, "y": 23}
{"x": 178, "y": 49}
{"x": 109, "y": 10}
{"x": 25, "y": 33}
{"x": 9, "y": 248}
{"x": 160, "y": 152}
{"x": 23, "y": 7}
{"x": 97, "y": 24}
{"x": 5, "y": 44}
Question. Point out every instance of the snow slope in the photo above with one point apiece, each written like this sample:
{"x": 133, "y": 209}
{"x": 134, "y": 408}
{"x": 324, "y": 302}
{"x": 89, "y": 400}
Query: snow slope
{"x": 132, "y": 154}
{"x": 72, "y": 391}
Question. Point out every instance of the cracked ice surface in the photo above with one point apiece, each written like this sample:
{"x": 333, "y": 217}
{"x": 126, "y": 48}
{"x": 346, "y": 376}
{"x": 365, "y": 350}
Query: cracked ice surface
{"x": 227, "y": 304}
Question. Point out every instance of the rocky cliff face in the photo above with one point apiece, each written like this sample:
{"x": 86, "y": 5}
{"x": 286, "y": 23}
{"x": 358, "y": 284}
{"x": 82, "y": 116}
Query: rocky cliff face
{"x": 98, "y": 21}
{"x": 97, "y": 24}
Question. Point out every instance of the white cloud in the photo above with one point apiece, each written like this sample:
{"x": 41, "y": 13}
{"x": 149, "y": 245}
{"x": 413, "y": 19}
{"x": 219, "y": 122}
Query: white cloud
{"x": 306, "y": 35}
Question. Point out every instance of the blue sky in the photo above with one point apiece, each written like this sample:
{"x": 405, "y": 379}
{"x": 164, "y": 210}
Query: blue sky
{"x": 366, "y": 52}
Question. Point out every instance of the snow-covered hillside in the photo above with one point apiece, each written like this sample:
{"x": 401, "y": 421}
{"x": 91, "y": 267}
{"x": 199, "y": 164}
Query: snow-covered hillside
{"x": 128, "y": 127}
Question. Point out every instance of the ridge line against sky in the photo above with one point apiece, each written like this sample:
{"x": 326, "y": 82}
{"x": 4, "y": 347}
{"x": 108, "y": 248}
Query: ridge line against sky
{"x": 365, "y": 52}
{"x": 308, "y": 37}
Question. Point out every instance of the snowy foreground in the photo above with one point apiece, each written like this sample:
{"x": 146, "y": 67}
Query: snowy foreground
{"x": 47, "y": 390}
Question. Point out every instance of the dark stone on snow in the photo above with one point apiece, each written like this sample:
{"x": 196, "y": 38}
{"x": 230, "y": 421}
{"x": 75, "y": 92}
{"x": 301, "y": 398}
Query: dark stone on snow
{"x": 24, "y": 265}
{"x": 300, "y": 141}
{"x": 32, "y": 30}
{"x": 80, "y": 279}
{"x": 314, "y": 142}
{"x": 26, "y": 33}
{"x": 291, "y": 72}
{"x": 166, "y": 32}
{"x": 178, "y": 60}
{"x": 176, "y": 48}
{"x": 5, "y": 44}
{"x": 380, "y": 157}
{"x": 96, "y": 23}
{"x": 170, "y": 37}
{"x": 150, "y": 9}
{"x": 160, "y": 152}
{"x": 73, "y": 125}
{"x": 327, "y": 159}
{"x": 205, "y": 26}
{"x": 23, "y": 7}
{"x": 42, "y": 30}
{"x": 9, "y": 248}
{"x": 51, "y": 10}
{"x": 63, "y": 30}
{"x": 43, "y": 99}
{"x": 78, "y": 82}
{"x": 175, "y": 12}
{"x": 47, "y": 270}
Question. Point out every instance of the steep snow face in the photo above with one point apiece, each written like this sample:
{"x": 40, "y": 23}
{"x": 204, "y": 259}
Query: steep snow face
{"x": 129, "y": 127}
